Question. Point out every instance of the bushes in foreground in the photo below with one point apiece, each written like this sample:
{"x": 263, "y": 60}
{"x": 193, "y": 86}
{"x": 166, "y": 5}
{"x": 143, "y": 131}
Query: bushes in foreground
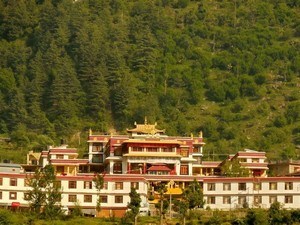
{"x": 273, "y": 216}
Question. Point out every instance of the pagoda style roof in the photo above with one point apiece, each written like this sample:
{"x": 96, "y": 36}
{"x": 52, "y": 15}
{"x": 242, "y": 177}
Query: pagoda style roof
{"x": 145, "y": 128}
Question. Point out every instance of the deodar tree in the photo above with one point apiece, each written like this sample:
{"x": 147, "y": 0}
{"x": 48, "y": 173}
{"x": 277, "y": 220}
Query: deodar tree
{"x": 192, "y": 197}
{"x": 45, "y": 194}
{"x": 134, "y": 204}
{"x": 98, "y": 183}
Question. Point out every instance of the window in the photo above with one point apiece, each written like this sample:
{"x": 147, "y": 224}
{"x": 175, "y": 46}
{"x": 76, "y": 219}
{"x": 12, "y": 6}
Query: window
{"x": 105, "y": 186}
{"x": 0, "y": 194}
{"x": 242, "y": 186}
{"x": 152, "y": 149}
{"x": 272, "y": 199}
{"x": 166, "y": 149}
{"x": 211, "y": 200}
{"x": 13, "y": 195}
{"x": 87, "y": 198}
{"x": 255, "y": 160}
{"x": 97, "y": 147}
{"x": 211, "y": 186}
{"x": 135, "y": 185}
{"x": 97, "y": 158}
{"x": 103, "y": 198}
{"x": 288, "y": 199}
{"x": 13, "y": 181}
{"x": 72, "y": 198}
{"x": 273, "y": 186}
{"x": 118, "y": 199}
{"x": 184, "y": 152}
{"x": 88, "y": 185}
{"x": 184, "y": 170}
{"x": 257, "y": 186}
{"x": 34, "y": 162}
{"x": 72, "y": 184}
{"x": 242, "y": 200}
{"x": 26, "y": 196}
{"x": 226, "y": 187}
{"x": 1, "y": 181}
{"x": 288, "y": 186}
{"x": 60, "y": 169}
{"x": 243, "y": 160}
{"x": 59, "y": 156}
{"x": 119, "y": 186}
{"x": 117, "y": 168}
{"x": 226, "y": 200}
{"x": 257, "y": 200}
{"x": 137, "y": 149}
{"x": 118, "y": 151}
{"x": 197, "y": 150}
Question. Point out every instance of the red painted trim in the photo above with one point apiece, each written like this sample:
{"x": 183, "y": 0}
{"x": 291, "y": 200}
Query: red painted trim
{"x": 113, "y": 208}
{"x": 62, "y": 149}
{"x": 13, "y": 175}
{"x": 254, "y": 164}
{"x": 69, "y": 161}
{"x": 250, "y": 154}
{"x": 111, "y": 178}
{"x": 62, "y": 153}
{"x": 249, "y": 179}
{"x": 147, "y": 144}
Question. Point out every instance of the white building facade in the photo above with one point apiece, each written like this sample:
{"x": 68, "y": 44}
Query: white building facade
{"x": 142, "y": 160}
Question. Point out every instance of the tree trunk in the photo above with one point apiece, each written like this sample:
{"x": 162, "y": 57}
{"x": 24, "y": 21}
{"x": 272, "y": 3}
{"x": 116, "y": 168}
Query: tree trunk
{"x": 161, "y": 212}
{"x": 135, "y": 220}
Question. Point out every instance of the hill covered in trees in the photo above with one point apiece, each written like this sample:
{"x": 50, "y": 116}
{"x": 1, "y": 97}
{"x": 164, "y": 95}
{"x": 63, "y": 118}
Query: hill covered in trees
{"x": 230, "y": 68}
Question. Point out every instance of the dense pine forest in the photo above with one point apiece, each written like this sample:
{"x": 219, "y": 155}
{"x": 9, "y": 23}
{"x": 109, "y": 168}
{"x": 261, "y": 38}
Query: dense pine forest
{"x": 230, "y": 68}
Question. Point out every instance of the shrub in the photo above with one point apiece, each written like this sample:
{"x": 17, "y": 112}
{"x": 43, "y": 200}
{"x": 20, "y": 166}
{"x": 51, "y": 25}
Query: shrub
{"x": 4, "y": 217}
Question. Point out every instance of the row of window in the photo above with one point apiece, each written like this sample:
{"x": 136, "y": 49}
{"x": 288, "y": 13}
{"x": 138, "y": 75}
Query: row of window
{"x": 73, "y": 184}
{"x": 117, "y": 169}
{"x": 140, "y": 149}
{"x": 183, "y": 152}
{"x": 253, "y": 160}
{"x": 257, "y": 199}
{"x": 98, "y": 147}
{"x": 89, "y": 198}
{"x": 12, "y": 182}
{"x": 243, "y": 186}
{"x": 61, "y": 156}
{"x": 210, "y": 200}
{"x": 117, "y": 185}
{"x": 71, "y": 198}
{"x": 12, "y": 195}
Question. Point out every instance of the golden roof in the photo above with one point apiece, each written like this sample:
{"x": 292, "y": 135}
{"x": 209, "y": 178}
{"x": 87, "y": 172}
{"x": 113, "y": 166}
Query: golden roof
{"x": 145, "y": 128}
{"x": 36, "y": 155}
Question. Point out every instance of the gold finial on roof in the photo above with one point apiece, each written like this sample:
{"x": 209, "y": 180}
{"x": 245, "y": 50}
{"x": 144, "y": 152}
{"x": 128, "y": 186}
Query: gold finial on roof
{"x": 201, "y": 134}
{"x": 90, "y": 132}
{"x": 146, "y": 120}
{"x": 192, "y": 136}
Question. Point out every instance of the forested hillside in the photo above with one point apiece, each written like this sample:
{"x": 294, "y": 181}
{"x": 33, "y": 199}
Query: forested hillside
{"x": 227, "y": 67}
